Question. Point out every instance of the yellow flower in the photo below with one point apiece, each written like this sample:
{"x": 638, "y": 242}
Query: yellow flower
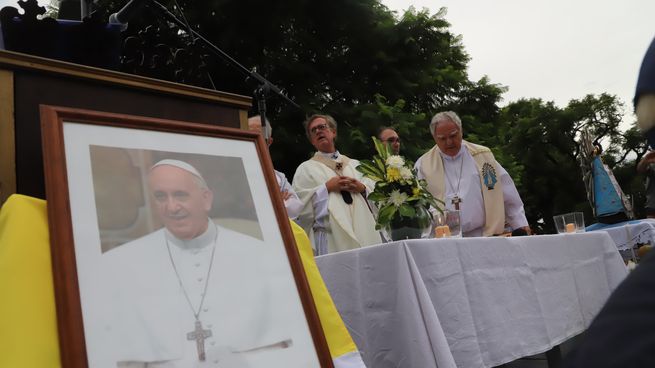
{"x": 393, "y": 174}
{"x": 416, "y": 191}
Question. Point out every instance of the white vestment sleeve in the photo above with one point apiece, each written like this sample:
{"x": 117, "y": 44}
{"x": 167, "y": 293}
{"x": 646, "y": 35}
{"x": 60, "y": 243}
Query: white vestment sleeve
{"x": 293, "y": 204}
{"x": 320, "y": 203}
{"x": 514, "y": 212}
{"x": 312, "y": 192}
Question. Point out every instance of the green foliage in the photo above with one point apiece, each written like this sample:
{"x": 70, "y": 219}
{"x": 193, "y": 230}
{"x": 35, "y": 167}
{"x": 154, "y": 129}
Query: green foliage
{"x": 541, "y": 152}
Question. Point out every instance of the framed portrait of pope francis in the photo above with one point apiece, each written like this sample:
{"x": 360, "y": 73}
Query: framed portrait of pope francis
{"x": 171, "y": 247}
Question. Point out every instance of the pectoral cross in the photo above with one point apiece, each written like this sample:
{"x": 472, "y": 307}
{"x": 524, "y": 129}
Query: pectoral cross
{"x": 456, "y": 201}
{"x": 199, "y": 335}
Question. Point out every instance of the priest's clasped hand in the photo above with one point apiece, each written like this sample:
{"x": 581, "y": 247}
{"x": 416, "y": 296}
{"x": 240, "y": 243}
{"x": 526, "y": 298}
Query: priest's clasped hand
{"x": 344, "y": 183}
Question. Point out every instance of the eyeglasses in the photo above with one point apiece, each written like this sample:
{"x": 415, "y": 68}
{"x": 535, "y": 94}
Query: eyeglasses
{"x": 392, "y": 140}
{"x": 318, "y": 128}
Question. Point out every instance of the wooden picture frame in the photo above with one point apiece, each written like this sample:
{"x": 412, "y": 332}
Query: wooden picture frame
{"x": 129, "y": 293}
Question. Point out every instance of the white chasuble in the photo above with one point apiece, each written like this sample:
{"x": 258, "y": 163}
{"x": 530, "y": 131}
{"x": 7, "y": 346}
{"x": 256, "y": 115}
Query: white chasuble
{"x": 348, "y": 226}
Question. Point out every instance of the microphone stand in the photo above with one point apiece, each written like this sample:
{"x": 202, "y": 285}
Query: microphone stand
{"x": 86, "y": 8}
{"x": 261, "y": 91}
{"x": 260, "y": 94}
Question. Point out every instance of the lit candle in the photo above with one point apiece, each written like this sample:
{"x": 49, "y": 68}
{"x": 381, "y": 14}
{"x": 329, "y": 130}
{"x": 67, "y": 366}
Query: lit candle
{"x": 570, "y": 228}
{"x": 442, "y": 231}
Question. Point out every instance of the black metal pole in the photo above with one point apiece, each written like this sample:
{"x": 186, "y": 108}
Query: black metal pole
{"x": 265, "y": 85}
{"x": 260, "y": 94}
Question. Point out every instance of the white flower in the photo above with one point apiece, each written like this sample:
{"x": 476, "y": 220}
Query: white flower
{"x": 395, "y": 161}
{"x": 397, "y": 198}
{"x": 406, "y": 173}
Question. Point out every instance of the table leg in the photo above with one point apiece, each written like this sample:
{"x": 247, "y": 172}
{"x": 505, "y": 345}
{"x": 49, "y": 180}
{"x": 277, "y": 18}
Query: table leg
{"x": 554, "y": 357}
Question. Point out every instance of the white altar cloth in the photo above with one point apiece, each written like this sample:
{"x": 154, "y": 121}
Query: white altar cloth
{"x": 629, "y": 233}
{"x": 471, "y": 302}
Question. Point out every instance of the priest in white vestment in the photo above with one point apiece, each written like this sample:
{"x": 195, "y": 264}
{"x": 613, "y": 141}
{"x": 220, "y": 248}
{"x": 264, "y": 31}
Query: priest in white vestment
{"x": 336, "y": 213}
{"x": 194, "y": 294}
{"x": 467, "y": 177}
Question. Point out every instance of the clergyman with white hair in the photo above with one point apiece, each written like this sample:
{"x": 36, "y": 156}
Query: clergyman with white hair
{"x": 468, "y": 178}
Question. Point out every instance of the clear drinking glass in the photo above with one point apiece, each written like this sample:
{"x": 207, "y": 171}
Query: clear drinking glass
{"x": 454, "y": 223}
{"x": 569, "y": 223}
{"x": 447, "y": 224}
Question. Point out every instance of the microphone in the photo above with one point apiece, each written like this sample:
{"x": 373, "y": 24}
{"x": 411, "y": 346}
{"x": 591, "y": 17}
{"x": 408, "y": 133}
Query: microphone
{"x": 127, "y": 12}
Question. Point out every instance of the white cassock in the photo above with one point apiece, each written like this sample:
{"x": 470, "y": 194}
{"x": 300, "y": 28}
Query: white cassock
{"x": 472, "y": 214}
{"x": 251, "y": 308}
{"x": 333, "y": 225}
{"x": 293, "y": 203}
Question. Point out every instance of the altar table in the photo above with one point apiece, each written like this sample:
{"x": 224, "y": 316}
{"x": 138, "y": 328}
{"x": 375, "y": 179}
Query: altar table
{"x": 471, "y": 302}
{"x": 629, "y": 233}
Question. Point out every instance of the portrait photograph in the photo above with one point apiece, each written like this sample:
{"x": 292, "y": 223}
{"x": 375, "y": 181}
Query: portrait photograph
{"x": 125, "y": 210}
{"x": 176, "y": 245}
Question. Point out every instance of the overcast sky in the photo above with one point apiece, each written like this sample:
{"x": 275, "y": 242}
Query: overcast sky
{"x": 556, "y": 50}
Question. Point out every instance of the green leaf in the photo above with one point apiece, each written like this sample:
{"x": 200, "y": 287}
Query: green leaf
{"x": 369, "y": 173}
{"x": 386, "y": 214}
{"x": 380, "y": 164}
{"x": 377, "y": 197}
{"x": 407, "y": 210}
{"x": 381, "y": 148}
{"x": 369, "y": 168}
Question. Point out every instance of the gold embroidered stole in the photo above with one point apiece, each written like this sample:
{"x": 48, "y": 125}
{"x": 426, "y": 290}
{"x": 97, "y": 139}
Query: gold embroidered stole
{"x": 336, "y": 166}
{"x": 492, "y": 195}
{"x": 355, "y": 220}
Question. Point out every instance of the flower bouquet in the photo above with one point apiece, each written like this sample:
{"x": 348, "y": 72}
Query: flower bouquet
{"x": 403, "y": 201}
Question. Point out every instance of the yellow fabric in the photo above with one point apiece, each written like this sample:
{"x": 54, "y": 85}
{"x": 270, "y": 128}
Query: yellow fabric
{"x": 28, "y": 325}
{"x": 494, "y": 206}
{"x": 336, "y": 334}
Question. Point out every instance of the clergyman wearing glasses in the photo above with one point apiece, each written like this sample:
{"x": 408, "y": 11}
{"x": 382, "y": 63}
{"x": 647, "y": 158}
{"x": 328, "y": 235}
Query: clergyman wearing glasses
{"x": 335, "y": 211}
{"x": 389, "y": 136}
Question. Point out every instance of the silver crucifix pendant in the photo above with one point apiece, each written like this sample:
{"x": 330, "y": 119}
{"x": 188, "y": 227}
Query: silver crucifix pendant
{"x": 199, "y": 335}
{"x": 456, "y": 201}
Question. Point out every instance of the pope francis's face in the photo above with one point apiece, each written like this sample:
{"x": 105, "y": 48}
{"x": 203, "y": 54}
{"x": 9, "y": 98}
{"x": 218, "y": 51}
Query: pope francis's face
{"x": 181, "y": 201}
